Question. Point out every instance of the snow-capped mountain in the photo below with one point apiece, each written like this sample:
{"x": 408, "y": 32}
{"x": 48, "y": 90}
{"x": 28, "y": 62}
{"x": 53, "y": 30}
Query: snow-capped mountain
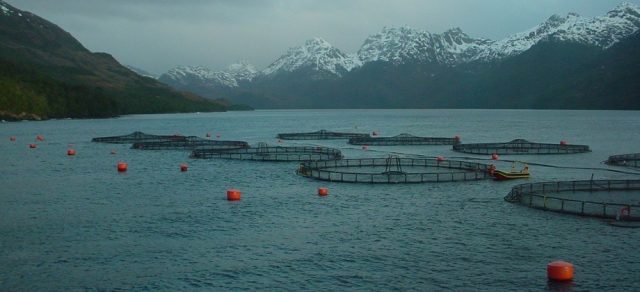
{"x": 316, "y": 54}
{"x": 242, "y": 71}
{"x": 404, "y": 44}
{"x": 235, "y": 73}
{"x": 186, "y": 75}
{"x": 603, "y": 32}
{"x": 318, "y": 59}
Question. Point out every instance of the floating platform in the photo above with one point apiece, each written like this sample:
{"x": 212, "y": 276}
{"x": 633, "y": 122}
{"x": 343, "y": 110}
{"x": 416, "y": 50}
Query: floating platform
{"x": 403, "y": 139}
{"x": 271, "y": 153}
{"x": 520, "y": 146}
{"x": 578, "y": 198}
{"x": 190, "y": 143}
{"x": 394, "y": 170}
{"x": 320, "y": 135}
{"x": 137, "y": 137}
{"x": 628, "y": 160}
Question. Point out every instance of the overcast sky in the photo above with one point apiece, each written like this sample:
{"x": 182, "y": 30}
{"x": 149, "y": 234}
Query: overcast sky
{"x": 157, "y": 35}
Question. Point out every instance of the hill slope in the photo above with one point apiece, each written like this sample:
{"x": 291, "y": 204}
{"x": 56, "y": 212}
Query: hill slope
{"x": 45, "y": 73}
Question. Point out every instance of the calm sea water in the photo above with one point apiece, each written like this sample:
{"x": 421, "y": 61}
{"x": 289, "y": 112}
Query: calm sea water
{"x": 75, "y": 223}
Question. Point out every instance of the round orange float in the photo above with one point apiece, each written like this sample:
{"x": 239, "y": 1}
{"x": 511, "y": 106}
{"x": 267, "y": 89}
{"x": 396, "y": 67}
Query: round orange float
{"x": 33, "y": 145}
{"x": 233, "y": 195}
{"x": 184, "y": 167}
{"x": 12, "y": 138}
{"x": 323, "y": 192}
{"x": 71, "y": 152}
{"x": 439, "y": 158}
{"x": 560, "y": 271}
{"x": 122, "y": 166}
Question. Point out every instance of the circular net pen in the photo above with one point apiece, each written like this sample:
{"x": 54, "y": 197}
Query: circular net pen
{"x": 393, "y": 170}
{"x": 189, "y": 143}
{"x": 136, "y": 137}
{"x": 520, "y": 146}
{"x": 629, "y": 160}
{"x": 616, "y": 199}
{"x": 403, "y": 139}
{"x": 271, "y": 153}
{"x": 320, "y": 135}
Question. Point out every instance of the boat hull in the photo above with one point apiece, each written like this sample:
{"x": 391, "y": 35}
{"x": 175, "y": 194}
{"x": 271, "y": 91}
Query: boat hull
{"x": 501, "y": 175}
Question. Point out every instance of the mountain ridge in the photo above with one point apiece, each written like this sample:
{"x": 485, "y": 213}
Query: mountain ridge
{"x": 318, "y": 59}
{"x": 47, "y": 73}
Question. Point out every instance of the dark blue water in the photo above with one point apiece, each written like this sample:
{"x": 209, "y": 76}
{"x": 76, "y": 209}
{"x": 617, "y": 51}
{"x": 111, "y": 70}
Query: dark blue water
{"x": 75, "y": 223}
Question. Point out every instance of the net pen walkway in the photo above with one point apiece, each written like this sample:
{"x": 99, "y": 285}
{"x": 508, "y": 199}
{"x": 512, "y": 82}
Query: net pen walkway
{"x": 547, "y": 196}
{"x": 520, "y": 146}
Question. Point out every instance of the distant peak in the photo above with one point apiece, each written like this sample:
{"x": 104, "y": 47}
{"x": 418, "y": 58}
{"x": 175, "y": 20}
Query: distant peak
{"x": 621, "y": 6}
{"x": 454, "y": 30}
{"x": 573, "y": 14}
{"x": 625, "y": 8}
{"x": 555, "y": 19}
{"x": 317, "y": 41}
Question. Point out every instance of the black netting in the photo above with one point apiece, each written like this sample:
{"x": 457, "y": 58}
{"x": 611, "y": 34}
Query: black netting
{"x": 403, "y": 139}
{"x": 320, "y": 135}
{"x": 270, "y": 153}
{"x": 629, "y": 160}
{"x": 520, "y": 146}
{"x": 575, "y": 197}
{"x": 393, "y": 170}
{"x": 190, "y": 143}
{"x": 138, "y": 137}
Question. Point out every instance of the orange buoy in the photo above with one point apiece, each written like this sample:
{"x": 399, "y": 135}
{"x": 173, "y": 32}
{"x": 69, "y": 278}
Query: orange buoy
{"x": 439, "y": 158}
{"x": 122, "y": 166}
{"x": 560, "y": 271}
{"x": 365, "y": 147}
{"x": 233, "y": 195}
{"x": 184, "y": 167}
{"x": 492, "y": 169}
{"x": 32, "y": 145}
{"x": 12, "y": 138}
{"x": 71, "y": 152}
{"x": 323, "y": 192}
{"x": 563, "y": 142}
{"x": 495, "y": 156}
{"x": 40, "y": 138}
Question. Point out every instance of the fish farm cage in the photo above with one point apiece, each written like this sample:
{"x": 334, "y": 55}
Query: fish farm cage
{"x": 270, "y": 153}
{"x": 393, "y": 170}
{"x": 403, "y": 139}
{"x": 137, "y": 137}
{"x": 520, "y": 146}
{"x": 629, "y": 160}
{"x": 189, "y": 143}
{"x": 320, "y": 135}
{"x": 548, "y": 196}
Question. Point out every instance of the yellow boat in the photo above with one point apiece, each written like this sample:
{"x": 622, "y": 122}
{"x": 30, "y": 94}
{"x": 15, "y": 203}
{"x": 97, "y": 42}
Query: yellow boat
{"x": 503, "y": 175}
